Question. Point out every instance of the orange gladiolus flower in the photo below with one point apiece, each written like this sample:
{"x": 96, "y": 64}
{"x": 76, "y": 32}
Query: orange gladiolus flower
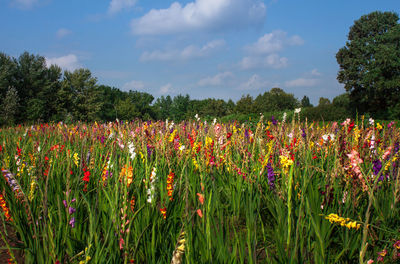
{"x": 200, "y": 213}
{"x": 201, "y": 198}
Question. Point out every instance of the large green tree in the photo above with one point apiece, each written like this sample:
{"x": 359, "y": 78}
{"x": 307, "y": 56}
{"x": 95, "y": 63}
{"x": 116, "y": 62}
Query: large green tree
{"x": 370, "y": 65}
{"x": 79, "y": 96}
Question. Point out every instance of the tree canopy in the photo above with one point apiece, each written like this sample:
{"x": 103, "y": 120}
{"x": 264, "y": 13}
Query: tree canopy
{"x": 370, "y": 65}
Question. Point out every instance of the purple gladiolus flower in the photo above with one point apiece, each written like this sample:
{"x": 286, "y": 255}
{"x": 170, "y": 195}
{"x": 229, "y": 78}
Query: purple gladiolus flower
{"x": 71, "y": 210}
{"x": 304, "y": 133}
{"x": 396, "y": 147}
{"x": 246, "y": 133}
{"x": 65, "y": 203}
{"x": 274, "y": 121}
{"x": 271, "y": 176}
{"x": 149, "y": 150}
{"x": 377, "y": 166}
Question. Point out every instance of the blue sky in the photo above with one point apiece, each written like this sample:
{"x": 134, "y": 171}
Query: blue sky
{"x": 204, "y": 48}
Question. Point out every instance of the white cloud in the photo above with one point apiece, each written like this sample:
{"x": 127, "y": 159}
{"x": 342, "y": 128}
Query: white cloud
{"x": 25, "y": 4}
{"x": 69, "y": 62}
{"x": 215, "y": 80}
{"x": 273, "y": 42}
{"x": 189, "y": 52}
{"x": 254, "y": 83}
{"x": 264, "y": 52}
{"x": 62, "y": 32}
{"x": 301, "y": 82}
{"x": 133, "y": 85}
{"x": 269, "y": 61}
{"x": 117, "y": 5}
{"x": 200, "y": 15}
{"x": 165, "y": 89}
{"x": 315, "y": 72}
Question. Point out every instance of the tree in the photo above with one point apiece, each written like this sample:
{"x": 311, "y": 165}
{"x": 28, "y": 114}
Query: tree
{"x": 9, "y": 106}
{"x": 162, "y": 107}
{"x": 370, "y": 64}
{"x": 111, "y": 96}
{"x": 32, "y": 83}
{"x": 8, "y": 69}
{"x": 305, "y": 102}
{"x": 275, "y": 100}
{"x": 142, "y": 101}
{"x": 179, "y": 107}
{"x": 324, "y": 101}
{"x": 245, "y": 105}
{"x": 80, "y": 94}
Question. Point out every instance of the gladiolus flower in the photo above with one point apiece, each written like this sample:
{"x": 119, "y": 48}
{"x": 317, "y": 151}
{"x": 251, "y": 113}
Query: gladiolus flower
{"x": 201, "y": 198}
{"x": 397, "y": 245}
{"x": 72, "y": 222}
{"x": 170, "y": 187}
{"x": 71, "y": 210}
{"x": 121, "y": 243}
{"x": 163, "y": 212}
{"x": 200, "y": 213}
{"x": 86, "y": 176}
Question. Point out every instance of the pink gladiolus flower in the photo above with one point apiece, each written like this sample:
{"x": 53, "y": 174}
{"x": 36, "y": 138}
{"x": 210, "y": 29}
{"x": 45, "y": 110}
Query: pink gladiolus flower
{"x": 121, "y": 243}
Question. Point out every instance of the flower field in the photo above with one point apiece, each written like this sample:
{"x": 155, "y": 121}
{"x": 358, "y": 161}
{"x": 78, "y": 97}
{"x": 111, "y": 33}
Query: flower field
{"x": 159, "y": 192}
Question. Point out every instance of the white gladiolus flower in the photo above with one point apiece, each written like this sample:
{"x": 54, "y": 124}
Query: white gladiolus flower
{"x": 330, "y": 137}
{"x": 131, "y": 149}
{"x": 284, "y": 117}
{"x": 151, "y": 189}
{"x": 297, "y": 110}
{"x": 371, "y": 121}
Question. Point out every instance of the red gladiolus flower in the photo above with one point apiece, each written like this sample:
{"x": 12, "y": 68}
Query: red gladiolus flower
{"x": 19, "y": 151}
{"x": 86, "y": 176}
{"x": 163, "y": 212}
{"x": 350, "y": 127}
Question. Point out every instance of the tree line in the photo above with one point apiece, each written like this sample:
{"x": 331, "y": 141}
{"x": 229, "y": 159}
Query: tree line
{"x": 33, "y": 92}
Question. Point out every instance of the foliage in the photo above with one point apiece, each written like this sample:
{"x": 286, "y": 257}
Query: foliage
{"x": 305, "y": 102}
{"x": 9, "y": 106}
{"x": 370, "y": 65}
